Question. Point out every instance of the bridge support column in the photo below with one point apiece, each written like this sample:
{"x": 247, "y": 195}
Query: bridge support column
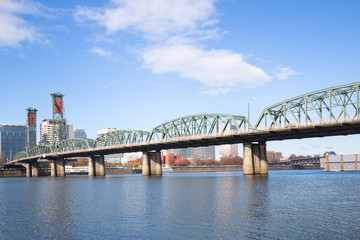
{"x": 255, "y": 160}
{"x": 28, "y": 169}
{"x": 91, "y": 166}
{"x": 35, "y": 170}
{"x": 145, "y": 164}
{"x": 158, "y": 165}
{"x": 248, "y": 166}
{"x": 256, "y": 157}
{"x": 151, "y": 164}
{"x": 263, "y": 158}
{"x": 53, "y": 169}
{"x": 152, "y": 156}
{"x": 99, "y": 166}
{"x": 60, "y": 168}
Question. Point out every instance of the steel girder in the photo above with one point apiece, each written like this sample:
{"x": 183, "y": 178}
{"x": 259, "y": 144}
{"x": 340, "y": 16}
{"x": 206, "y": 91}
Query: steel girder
{"x": 329, "y": 105}
{"x": 75, "y": 144}
{"x": 40, "y": 149}
{"x": 19, "y": 155}
{"x": 201, "y": 124}
{"x": 121, "y": 137}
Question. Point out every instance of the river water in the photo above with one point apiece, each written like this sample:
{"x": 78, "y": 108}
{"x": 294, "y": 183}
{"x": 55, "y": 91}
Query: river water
{"x": 297, "y": 204}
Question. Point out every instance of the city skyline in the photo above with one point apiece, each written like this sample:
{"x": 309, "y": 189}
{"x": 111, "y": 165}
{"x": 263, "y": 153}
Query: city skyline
{"x": 119, "y": 71}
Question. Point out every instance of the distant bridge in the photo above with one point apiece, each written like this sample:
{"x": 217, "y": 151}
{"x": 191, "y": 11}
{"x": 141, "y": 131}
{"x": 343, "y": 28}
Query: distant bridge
{"x": 329, "y": 112}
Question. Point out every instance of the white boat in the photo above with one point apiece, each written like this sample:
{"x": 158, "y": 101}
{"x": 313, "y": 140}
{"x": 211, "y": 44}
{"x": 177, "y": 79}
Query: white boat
{"x": 166, "y": 168}
{"x": 70, "y": 170}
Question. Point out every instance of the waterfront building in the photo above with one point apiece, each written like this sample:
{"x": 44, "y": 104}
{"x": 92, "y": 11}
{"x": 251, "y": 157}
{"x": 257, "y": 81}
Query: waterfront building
{"x": 229, "y": 149}
{"x": 12, "y": 140}
{"x": 80, "y": 133}
{"x": 126, "y": 157}
{"x": 165, "y": 159}
{"x": 273, "y": 156}
{"x": 184, "y": 152}
{"x": 203, "y": 152}
{"x": 47, "y": 128}
{"x": 341, "y": 162}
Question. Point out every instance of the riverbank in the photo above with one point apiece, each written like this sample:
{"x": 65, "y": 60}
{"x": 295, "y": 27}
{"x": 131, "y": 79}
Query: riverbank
{"x": 12, "y": 172}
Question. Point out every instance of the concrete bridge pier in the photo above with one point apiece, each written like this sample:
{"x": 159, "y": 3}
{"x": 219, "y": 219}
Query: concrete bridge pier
{"x": 263, "y": 158}
{"x": 28, "y": 169}
{"x": 31, "y": 169}
{"x": 151, "y": 164}
{"x": 145, "y": 164}
{"x": 60, "y": 168}
{"x": 248, "y": 166}
{"x": 35, "y": 170}
{"x": 254, "y": 160}
{"x": 96, "y": 166}
{"x": 53, "y": 169}
{"x": 100, "y": 166}
{"x": 57, "y": 168}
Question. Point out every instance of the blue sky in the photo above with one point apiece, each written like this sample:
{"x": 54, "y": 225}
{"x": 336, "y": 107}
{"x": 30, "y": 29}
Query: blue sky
{"x": 135, "y": 64}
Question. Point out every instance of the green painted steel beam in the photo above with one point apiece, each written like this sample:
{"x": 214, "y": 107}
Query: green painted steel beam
{"x": 340, "y": 102}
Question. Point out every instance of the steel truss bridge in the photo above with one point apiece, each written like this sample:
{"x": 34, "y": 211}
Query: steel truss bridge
{"x": 329, "y": 112}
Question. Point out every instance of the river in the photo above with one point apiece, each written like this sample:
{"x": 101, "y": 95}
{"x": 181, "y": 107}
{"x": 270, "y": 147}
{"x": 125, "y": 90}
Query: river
{"x": 296, "y": 204}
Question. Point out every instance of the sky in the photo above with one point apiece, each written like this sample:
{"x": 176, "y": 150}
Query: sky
{"x": 136, "y": 64}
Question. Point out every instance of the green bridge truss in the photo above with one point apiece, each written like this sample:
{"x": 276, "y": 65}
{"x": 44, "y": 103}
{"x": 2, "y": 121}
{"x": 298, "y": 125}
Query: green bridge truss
{"x": 75, "y": 144}
{"x": 121, "y": 137}
{"x": 330, "y": 105}
{"x": 202, "y": 124}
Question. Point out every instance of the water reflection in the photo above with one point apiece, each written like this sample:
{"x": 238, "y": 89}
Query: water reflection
{"x": 285, "y": 204}
{"x": 256, "y": 202}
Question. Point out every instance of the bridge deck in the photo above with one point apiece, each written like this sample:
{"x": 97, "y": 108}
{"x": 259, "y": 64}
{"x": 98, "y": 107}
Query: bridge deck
{"x": 310, "y": 131}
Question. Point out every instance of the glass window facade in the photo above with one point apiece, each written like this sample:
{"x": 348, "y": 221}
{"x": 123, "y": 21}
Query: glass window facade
{"x": 12, "y": 140}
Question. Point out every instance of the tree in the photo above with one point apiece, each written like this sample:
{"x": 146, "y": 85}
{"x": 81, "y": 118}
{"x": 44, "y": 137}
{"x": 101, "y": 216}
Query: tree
{"x": 231, "y": 160}
{"x": 134, "y": 163}
{"x": 172, "y": 160}
{"x": 182, "y": 162}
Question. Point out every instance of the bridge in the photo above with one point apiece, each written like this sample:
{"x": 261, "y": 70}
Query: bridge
{"x": 328, "y": 112}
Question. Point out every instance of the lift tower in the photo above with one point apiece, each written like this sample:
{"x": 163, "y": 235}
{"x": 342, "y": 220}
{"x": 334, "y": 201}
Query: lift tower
{"x": 30, "y": 128}
{"x": 59, "y": 122}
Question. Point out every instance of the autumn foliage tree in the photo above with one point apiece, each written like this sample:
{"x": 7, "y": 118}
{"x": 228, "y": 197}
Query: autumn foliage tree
{"x": 182, "y": 162}
{"x": 134, "y": 163}
{"x": 231, "y": 160}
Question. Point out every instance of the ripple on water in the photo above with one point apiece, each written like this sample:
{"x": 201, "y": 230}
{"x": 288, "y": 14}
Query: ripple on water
{"x": 286, "y": 204}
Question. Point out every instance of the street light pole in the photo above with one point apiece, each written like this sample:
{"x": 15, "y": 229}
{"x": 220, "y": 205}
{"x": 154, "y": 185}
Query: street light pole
{"x": 248, "y": 116}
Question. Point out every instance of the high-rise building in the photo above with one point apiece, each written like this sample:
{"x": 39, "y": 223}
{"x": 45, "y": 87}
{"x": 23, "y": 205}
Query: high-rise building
{"x": 12, "y": 140}
{"x": 80, "y": 133}
{"x": 47, "y": 128}
{"x": 229, "y": 149}
{"x": 203, "y": 152}
{"x": 70, "y": 131}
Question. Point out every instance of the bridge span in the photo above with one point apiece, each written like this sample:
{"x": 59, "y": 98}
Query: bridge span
{"x": 329, "y": 112}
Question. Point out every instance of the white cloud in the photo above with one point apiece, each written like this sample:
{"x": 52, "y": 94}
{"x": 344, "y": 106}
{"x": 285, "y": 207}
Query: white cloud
{"x": 217, "y": 91}
{"x": 13, "y": 28}
{"x": 213, "y": 67}
{"x": 101, "y": 52}
{"x": 284, "y": 73}
{"x": 175, "y": 30}
{"x": 159, "y": 18}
